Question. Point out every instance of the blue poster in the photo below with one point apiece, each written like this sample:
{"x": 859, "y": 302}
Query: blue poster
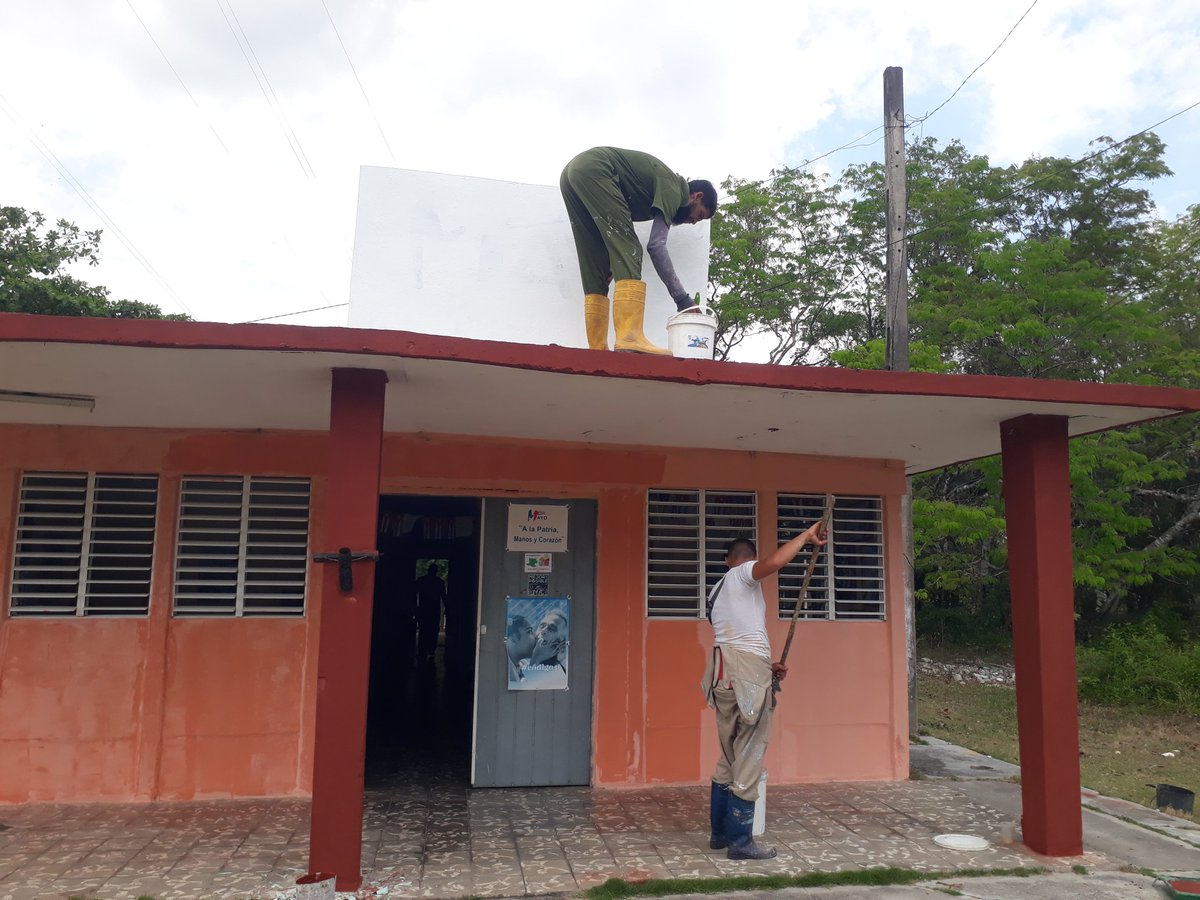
{"x": 537, "y": 634}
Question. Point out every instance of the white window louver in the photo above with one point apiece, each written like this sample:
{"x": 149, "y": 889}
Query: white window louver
{"x": 848, "y": 581}
{"x": 686, "y": 536}
{"x": 242, "y": 546}
{"x": 84, "y": 544}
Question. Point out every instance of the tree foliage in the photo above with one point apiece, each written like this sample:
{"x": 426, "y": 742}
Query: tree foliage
{"x": 1053, "y": 268}
{"x": 35, "y": 277}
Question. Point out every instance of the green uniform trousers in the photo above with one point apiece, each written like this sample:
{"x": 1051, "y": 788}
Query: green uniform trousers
{"x": 605, "y": 242}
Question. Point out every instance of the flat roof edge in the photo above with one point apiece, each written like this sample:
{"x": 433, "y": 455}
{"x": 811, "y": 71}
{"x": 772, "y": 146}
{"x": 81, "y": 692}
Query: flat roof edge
{"x": 371, "y": 343}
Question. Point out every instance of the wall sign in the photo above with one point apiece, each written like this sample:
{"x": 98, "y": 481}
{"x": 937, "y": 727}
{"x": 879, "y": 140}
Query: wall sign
{"x": 537, "y": 528}
{"x": 539, "y": 562}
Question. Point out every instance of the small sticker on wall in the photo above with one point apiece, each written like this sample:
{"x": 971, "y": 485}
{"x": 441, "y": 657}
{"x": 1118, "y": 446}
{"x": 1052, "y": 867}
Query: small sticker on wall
{"x": 538, "y": 586}
{"x": 538, "y": 562}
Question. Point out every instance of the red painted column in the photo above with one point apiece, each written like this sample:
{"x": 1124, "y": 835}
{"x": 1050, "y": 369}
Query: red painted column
{"x": 343, "y": 667}
{"x": 1037, "y": 502}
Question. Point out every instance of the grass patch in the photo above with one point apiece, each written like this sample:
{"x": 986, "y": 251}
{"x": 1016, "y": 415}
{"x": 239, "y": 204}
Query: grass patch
{"x": 1121, "y": 747}
{"x": 1138, "y": 870}
{"x": 1078, "y": 869}
{"x": 662, "y": 887}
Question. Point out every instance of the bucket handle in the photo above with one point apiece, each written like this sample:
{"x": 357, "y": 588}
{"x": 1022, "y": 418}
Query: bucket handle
{"x": 706, "y": 310}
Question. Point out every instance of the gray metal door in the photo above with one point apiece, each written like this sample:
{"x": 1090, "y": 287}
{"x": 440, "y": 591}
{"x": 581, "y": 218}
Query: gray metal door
{"x": 535, "y": 737}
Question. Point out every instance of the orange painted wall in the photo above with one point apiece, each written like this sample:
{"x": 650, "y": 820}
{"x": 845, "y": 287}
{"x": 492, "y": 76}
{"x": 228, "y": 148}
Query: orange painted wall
{"x": 153, "y": 707}
{"x": 145, "y": 709}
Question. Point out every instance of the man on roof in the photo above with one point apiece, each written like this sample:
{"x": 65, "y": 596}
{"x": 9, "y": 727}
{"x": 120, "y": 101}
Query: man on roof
{"x": 606, "y": 190}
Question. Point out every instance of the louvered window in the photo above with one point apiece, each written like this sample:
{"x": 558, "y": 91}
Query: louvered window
{"x": 686, "y": 535}
{"x": 847, "y": 583}
{"x": 242, "y": 546}
{"x": 84, "y": 544}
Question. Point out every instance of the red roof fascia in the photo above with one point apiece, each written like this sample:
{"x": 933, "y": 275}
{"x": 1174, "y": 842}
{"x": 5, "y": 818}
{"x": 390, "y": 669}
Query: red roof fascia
{"x": 20, "y": 327}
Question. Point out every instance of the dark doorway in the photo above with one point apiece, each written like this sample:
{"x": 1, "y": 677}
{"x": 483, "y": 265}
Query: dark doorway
{"x": 422, "y": 687}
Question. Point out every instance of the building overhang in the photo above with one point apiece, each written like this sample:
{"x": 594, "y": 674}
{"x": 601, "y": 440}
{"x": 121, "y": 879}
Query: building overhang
{"x": 192, "y": 375}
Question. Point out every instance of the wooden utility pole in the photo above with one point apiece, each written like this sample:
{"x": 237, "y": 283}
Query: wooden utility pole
{"x": 897, "y": 331}
{"x": 897, "y": 212}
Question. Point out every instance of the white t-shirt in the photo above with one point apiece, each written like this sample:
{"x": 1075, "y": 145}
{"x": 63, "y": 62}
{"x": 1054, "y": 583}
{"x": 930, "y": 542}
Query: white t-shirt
{"x": 739, "y": 615}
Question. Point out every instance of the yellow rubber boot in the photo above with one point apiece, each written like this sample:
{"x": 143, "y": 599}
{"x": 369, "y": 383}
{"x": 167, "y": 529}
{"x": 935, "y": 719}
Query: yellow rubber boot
{"x": 629, "y": 312}
{"x": 595, "y": 316}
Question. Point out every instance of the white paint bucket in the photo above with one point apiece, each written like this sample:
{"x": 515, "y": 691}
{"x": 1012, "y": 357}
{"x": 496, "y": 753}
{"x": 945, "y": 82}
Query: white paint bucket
{"x": 317, "y": 886}
{"x": 692, "y": 334}
{"x": 760, "y": 806}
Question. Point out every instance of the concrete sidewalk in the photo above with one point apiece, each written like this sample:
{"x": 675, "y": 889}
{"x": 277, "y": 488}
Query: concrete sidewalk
{"x": 441, "y": 839}
{"x": 434, "y": 837}
{"x": 1100, "y": 886}
{"x": 1125, "y": 831}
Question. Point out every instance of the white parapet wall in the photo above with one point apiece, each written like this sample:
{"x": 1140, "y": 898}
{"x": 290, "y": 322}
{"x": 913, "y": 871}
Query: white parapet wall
{"x": 477, "y": 258}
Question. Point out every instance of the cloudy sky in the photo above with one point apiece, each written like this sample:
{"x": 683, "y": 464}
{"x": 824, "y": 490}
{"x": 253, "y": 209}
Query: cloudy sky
{"x": 218, "y": 141}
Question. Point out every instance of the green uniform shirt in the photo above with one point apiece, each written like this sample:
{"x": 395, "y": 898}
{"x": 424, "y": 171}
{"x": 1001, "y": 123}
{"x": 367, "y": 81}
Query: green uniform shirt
{"x": 647, "y": 183}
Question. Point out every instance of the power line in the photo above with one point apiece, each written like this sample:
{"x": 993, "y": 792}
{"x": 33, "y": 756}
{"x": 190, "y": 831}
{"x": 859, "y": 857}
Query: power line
{"x": 886, "y": 245}
{"x": 296, "y": 313}
{"x": 175, "y": 72}
{"x": 789, "y": 170}
{"x": 342, "y": 44}
{"x": 1035, "y": 181}
{"x": 929, "y": 115}
{"x": 49, "y": 155}
{"x": 264, "y": 85}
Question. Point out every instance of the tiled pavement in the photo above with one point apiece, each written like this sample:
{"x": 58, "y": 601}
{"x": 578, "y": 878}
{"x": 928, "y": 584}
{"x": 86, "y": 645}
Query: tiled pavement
{"x": 439, "y": 839}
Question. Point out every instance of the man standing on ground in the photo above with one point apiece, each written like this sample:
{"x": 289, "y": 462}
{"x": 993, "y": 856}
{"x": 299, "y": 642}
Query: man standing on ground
{"x": 606, "y": 190}
{"x": 737, "y": 684}
{"x": 431, "y": 593}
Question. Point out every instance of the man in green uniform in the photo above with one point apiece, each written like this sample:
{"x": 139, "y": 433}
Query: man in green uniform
{"x": 606, "y": 190}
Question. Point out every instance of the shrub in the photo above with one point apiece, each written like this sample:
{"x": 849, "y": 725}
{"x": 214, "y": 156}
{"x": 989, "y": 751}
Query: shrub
{"x": 1137, "y": 664}
{"x": 960, "y": 628}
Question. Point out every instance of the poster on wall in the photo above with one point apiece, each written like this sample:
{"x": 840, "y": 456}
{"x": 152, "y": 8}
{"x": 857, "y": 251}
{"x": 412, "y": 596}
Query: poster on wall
{"x": 536, "y": 640}
{"x": 537, "y": 528}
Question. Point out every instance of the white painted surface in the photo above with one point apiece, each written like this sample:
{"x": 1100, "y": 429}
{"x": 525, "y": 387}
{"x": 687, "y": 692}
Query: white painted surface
{"x": 472, "y": 257}
{"x": 252, "y": 389}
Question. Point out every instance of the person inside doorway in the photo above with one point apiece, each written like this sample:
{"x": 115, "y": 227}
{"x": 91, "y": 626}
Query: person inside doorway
{"x": 737, "y": 684}
{"x": 606, "y": 190}
{"x": 431, "y": 594}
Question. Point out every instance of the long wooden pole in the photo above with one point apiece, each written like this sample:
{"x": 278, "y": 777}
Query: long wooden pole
{"x": 897, "y": 333}
{"x": 897, "y": 213}
{"x": 815, "y": 552}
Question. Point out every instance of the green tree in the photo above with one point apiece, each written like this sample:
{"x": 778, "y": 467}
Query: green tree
{"x": 34, "y": 276}
{"x": 1054, "y": 268}
{"x": 783, "y": 266}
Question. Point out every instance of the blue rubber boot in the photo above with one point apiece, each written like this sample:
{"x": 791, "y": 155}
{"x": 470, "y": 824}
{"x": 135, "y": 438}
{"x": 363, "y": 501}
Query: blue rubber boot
{"x": 718, "y": 811}
{"x": 739, "y": 829}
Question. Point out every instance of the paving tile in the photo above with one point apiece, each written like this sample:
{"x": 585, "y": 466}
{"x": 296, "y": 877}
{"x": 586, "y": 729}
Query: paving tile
{"x": 438, "y": 839}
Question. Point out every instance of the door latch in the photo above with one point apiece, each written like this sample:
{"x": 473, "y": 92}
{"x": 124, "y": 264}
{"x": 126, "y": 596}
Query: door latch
{"x": 344, "y": 558}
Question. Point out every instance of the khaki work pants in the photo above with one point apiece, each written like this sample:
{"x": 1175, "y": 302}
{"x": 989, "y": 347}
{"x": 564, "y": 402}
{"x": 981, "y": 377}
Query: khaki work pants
{"x": 743, "y": 738}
